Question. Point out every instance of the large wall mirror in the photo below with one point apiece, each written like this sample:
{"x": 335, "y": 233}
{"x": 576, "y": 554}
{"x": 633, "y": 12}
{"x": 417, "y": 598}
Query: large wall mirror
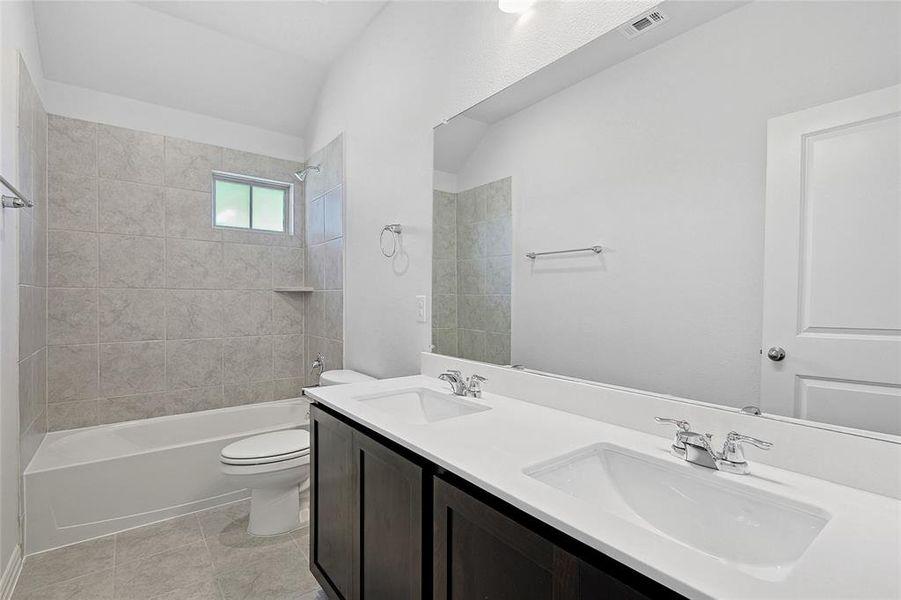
{"x": 702, "y": 203}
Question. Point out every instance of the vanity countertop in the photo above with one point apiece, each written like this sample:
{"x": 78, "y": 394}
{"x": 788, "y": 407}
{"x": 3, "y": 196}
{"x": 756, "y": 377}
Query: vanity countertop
{"x": 856, "y": 555}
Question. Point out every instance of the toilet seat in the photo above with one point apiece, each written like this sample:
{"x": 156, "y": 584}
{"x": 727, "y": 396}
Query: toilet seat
{"x": 268, "y": 448}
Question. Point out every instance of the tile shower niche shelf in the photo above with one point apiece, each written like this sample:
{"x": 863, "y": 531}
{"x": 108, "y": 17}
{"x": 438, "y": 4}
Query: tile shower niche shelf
{"x": 291, "y": 290}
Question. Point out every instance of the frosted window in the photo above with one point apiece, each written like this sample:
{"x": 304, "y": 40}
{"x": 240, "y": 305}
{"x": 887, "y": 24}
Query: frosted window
{"x": 268, "y": 209}
{"x": 248, "y": 203}
{"x": 232, "y": 204}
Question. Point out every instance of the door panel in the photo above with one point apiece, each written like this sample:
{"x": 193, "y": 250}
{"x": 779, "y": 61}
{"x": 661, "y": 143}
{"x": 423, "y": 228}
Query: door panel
{"x": 388, "y": 549}
{"x": 832, "y": 282}
{"x": 331, "y": 502}
{"x": 480, "y": 553}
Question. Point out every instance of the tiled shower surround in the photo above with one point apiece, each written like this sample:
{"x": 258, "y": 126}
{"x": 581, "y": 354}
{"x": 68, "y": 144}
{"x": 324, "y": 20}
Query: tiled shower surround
{"x": 325, "y": 257}
{"x": 472, "y": 248}
{"x": 32, "y": 160}
{"x": 151, "y": 310}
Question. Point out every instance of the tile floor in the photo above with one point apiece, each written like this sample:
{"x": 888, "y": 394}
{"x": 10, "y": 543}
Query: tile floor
{"x": 203, "y": 556}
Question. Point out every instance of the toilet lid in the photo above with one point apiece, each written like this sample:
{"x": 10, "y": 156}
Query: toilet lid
{"x": 268, "y": 447}
{"x": 341, "y": 376}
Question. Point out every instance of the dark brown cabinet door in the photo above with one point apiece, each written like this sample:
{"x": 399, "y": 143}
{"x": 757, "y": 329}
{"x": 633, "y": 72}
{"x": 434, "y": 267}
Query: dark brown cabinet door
{"x": 480, "y": 554}
{"x": 332, "y": 503}
{"x": 388, "y": 561}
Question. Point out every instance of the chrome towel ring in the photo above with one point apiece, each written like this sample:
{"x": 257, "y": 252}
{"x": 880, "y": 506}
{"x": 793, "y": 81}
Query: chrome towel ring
{"x": 395, "y": 229}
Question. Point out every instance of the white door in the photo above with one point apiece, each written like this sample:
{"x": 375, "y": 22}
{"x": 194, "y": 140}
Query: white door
{"x": 832, "y": 280}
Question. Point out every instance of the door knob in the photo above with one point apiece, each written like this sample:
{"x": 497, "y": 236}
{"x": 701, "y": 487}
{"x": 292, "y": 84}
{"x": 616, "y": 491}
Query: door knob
{"x": 775, "y": 354}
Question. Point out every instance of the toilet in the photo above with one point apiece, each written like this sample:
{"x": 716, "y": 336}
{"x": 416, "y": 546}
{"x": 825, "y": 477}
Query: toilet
{"x": 342, "y": 376}
{"x": 276, "y": 468}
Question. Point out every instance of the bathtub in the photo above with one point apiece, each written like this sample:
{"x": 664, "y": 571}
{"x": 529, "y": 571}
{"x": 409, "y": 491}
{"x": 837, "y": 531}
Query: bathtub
{"x": 90, "y": 482}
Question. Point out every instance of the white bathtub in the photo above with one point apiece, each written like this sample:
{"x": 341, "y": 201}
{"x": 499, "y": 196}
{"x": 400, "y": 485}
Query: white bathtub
{"x": 95, "y": 481}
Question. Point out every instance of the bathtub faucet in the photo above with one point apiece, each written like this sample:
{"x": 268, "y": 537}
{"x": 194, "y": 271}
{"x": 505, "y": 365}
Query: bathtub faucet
{"x": 318, "y": 364}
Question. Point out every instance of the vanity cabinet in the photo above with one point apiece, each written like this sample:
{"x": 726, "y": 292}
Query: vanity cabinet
{"x": 387, "y": 524}
{"x": 479, "y": 552}
{"x": 366, "y": 514}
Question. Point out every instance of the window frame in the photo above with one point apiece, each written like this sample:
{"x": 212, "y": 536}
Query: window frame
{"x": 287, "y": 200}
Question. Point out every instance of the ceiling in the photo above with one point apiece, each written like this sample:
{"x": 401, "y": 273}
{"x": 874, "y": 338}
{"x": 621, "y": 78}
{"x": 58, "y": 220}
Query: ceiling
{"x": 259, "y": 63}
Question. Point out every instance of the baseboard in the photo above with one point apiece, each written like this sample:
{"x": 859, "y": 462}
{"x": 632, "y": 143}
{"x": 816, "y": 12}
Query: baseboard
{"x": 11, "y": 574}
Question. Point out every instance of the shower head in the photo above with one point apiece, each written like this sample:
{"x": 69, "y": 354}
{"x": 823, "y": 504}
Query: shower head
{"x": 302, "y": 174}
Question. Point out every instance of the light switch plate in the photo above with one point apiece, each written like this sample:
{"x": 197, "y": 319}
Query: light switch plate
{"x": 420, "y": 309}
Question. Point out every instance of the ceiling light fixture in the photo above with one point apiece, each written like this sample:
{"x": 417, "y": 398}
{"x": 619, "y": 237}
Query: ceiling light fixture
{"x": 515, "y": 6}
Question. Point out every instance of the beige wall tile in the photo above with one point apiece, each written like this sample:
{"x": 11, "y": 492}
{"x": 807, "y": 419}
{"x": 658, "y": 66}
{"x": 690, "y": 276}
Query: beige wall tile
{"x": 73, "y": 202}
{"x": 132, "y": 368}
{"x": 72, "y": 258}
{"x": 331, "y": 168}
{"x": 192, "y": 314}
{"x": 315, "y": 221}
{"x": 72, "y": 146}
{"x": 26, "y": 249}
{"x": 236, "y": 394}
{"x": 193, "y": 363}
{"x": 192, "y": 264}
{"x": 131, "y": 208}
{"x": 248, "y": 266}
{"x": 287, "y": 356}
{"x": 189, "y": 165}
{"x": 131, "y": 261}
{"x": 71, "y": 415}
{"x": 39, "y": 251}
{"x": 288, "y": 312}
{"x": 194, "y": 399}
{"x": 283, "y": 389}
{"x": 71, "y": 316}
{"x": 72, "y": 372}
{"x": 132, "y": 315}
{"x": 314, "y": 314}
{"x": 334, "y": 213}
{"x": 129, "y": 155}
{"x": 27, "y": 320}
{"x": 190, "y": 215}
{"x": 130, "y": 408}
{"x": 247, "y": 359}
{"x": 246, "y": 312}
{"x": 287, "y": 267}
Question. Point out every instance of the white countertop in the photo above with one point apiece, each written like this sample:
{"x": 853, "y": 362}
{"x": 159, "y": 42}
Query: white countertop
{"x": 856, "y": 555}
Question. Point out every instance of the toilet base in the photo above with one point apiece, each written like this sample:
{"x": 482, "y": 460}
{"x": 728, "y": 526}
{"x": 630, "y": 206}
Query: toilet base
{"x": 274, "y": 510}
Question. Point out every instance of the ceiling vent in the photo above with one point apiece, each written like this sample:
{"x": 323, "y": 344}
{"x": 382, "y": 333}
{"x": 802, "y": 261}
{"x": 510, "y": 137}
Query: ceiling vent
{"x": 643, "y": 23}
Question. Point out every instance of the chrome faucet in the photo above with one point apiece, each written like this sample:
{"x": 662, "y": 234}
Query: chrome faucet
{"x": 318, "y": 364}
{"x": 695, "y": 448}
{"x": 474, "y": 386}
{"x": 456, "y": 381}
{"x": 471, "y": 387}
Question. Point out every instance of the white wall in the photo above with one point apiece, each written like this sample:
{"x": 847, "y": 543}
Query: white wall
{"x": 91, "y": 105}
{"x": 417, "y": 64}
{"x": 662, "y": 159}
{"x": 17, "y": 33}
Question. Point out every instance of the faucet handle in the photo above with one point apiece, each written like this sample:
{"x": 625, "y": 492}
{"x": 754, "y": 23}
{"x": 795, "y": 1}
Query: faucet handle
{"x": 474, "y": 385}
{"x": 678, "y": 441}
{"x": 733, "y": 451}
{"x": 683, "y": 425}
{"x": 735, "y": 437}
{"x": 454, "y": 372}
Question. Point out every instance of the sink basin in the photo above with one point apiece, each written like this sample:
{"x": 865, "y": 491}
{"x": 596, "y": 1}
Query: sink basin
{"x": 698, "y": 507}
{"x": 422, "y": 405}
